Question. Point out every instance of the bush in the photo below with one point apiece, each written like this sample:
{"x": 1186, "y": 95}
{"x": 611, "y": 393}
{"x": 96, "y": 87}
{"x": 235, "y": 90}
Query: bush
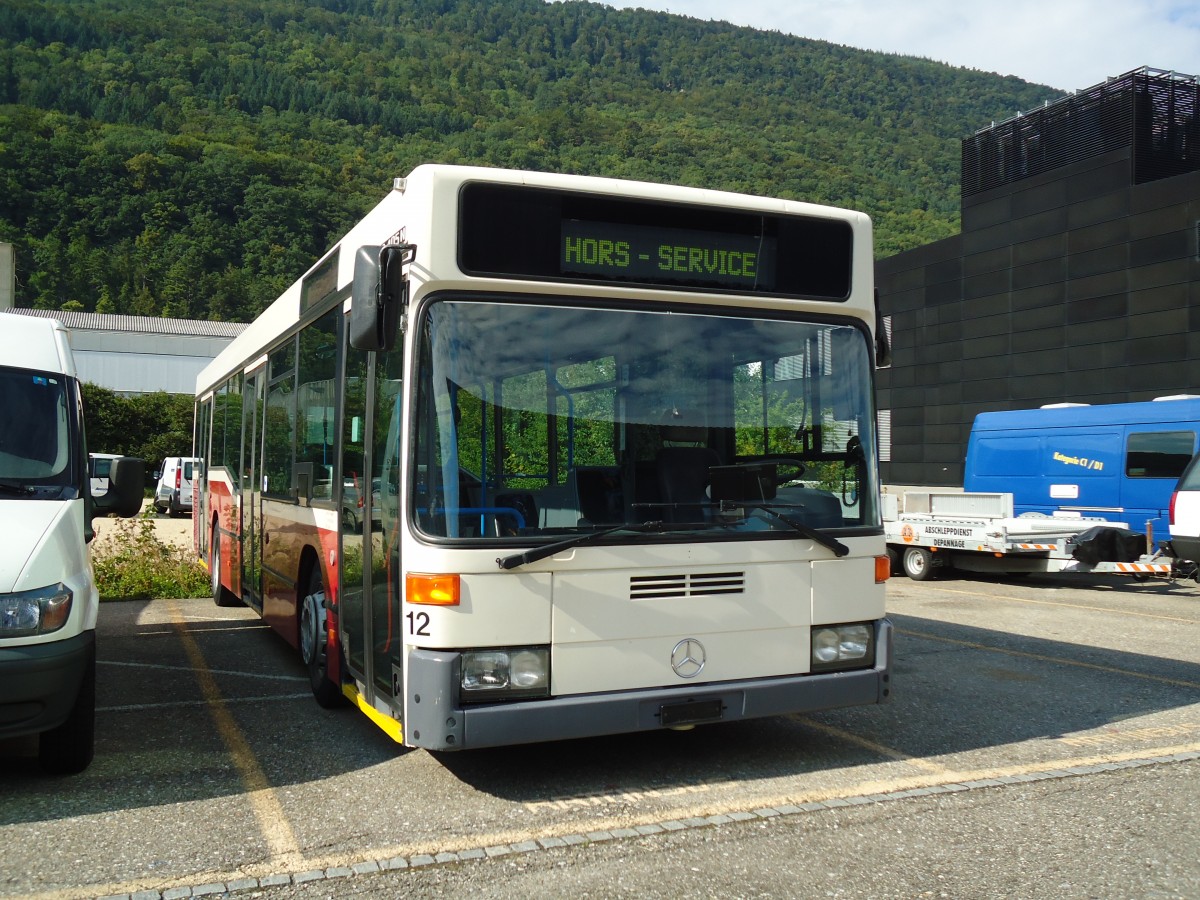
{"x": 136, "y": 565}
{"x": 148, "y": 426}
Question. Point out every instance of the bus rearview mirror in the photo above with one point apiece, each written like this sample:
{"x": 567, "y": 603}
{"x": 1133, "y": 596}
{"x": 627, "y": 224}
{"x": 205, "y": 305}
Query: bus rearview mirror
{"x": 379, "y": 295}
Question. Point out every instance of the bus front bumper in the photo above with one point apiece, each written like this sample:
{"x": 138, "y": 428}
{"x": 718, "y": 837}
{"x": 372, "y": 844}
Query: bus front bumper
{"x": 437, "y": 722}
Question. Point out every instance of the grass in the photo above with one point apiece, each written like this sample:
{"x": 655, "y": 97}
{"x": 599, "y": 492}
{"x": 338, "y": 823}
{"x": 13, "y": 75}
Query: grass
{"x": 135, "y": 565}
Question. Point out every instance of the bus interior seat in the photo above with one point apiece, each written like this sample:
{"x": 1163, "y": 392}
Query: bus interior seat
{"x": 523, "y": 504}
{"x": 682, "y": 467}
{"x": 812, "y": 506}
{"x": 601, "y": 495}
{"x": 557, "y": 506}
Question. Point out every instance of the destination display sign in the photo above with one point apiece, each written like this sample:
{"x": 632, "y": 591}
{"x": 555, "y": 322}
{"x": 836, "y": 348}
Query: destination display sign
{"x": 671, "y": 254}
{"x": 528, "y": 233}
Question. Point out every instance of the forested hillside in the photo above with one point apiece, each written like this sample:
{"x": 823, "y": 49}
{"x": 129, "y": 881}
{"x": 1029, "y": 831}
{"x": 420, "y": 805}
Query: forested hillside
{"x": 163, "y": 157}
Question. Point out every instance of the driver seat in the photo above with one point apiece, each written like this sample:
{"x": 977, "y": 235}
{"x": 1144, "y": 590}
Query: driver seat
{"x": 682, "y": 467}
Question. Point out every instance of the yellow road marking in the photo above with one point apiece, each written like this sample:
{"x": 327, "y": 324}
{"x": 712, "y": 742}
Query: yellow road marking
{"x": 273, "y": 823}
{"x": 881, "y": 749}
{"x": 1041, "y": 657}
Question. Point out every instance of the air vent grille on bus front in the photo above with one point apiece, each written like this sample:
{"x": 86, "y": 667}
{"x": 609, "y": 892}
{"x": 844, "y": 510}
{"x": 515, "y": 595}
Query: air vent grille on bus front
{"x": 648, "y": 587}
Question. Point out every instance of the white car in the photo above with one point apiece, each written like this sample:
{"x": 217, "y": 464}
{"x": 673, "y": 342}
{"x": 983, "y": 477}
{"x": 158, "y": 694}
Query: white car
{"x": 1185, "y": 513}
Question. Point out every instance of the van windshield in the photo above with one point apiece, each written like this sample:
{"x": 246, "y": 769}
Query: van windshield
{"x": 37, "y": 436}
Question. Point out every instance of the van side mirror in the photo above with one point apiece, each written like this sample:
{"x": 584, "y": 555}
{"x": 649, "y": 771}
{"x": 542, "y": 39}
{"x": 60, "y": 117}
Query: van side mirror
{"x": 379, "y": 295}
{"x": 124, "y": 497}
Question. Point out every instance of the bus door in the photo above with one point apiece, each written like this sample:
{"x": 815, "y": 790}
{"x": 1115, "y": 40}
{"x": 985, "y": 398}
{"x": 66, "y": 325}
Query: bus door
{"x": 387, "y": 577}
{"x": 355, "y": 530}
{"x": 372, "y": 581}
{"x": 251, "y": 488}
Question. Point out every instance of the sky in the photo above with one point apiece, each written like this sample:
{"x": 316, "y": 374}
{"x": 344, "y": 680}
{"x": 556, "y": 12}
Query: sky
{"x": 1066, "y": 44}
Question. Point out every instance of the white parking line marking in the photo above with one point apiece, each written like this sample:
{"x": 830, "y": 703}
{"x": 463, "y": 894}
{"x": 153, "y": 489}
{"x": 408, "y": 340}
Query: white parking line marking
{"x": 266, "y": 698}
{"x": 261, "y": 675}
{"x": 166, "y": 632}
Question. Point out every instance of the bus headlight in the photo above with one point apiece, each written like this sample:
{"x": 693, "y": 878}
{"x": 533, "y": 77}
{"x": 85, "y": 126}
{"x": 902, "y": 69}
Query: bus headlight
{"x": 505, "y": 673}
{"x": 39, "y": 611}
{"x": 843, "y": 646}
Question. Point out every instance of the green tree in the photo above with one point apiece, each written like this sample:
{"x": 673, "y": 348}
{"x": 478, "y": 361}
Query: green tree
{"x": 158, "y": 159}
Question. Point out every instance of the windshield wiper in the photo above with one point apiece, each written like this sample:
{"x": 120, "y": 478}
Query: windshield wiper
{"x": 520, "y": 559}
{"x": 838, "y": 548}
{"x": 8, "y": 487}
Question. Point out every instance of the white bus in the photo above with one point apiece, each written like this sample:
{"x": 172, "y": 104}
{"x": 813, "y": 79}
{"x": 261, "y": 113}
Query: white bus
{"x": 528, "y": 457}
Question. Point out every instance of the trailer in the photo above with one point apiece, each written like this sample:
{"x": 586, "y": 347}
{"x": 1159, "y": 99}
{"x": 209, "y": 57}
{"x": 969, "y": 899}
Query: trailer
{"x": 978, "y": 532}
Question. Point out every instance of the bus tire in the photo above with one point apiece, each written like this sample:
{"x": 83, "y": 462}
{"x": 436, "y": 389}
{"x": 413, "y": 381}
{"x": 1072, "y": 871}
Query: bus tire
{"x": 314, "y": 644}
{"x": 68, "y": 749}
{"x": 918, "y": 564}
{"x": 221, "y": 595}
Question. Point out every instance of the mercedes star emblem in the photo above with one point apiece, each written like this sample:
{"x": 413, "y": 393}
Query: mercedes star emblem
{"x": 687, "y": 659}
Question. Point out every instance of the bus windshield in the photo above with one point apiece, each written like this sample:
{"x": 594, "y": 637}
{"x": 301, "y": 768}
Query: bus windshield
{"x": 37, "y": 459}
{"x": 545, "y": 420}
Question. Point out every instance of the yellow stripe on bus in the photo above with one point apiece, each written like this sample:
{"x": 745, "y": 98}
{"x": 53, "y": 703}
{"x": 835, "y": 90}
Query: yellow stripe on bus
{"x": 390, "y": 726}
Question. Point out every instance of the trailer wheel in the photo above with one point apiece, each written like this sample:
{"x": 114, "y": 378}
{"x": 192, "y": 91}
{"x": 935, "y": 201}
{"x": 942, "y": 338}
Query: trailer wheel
{"x": 918, "y": 564}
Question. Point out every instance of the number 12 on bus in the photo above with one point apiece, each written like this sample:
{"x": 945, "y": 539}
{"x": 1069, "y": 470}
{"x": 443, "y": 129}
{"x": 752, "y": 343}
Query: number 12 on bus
{"x": 529, "y": 457}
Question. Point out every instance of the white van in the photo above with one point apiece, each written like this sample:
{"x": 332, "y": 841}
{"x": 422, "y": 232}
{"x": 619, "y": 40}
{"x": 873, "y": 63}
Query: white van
{"x": 48, "y": 597}
{"x": 176, "y": 479}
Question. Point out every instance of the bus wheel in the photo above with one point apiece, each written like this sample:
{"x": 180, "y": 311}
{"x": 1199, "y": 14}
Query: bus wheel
{"x": 918, "y": 563}
{"x": 314, "y": 643}
{"x": 68, "y": 749}
{"x": 221, "y": 595}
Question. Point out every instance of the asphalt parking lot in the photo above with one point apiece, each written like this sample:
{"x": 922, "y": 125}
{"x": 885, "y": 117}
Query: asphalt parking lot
{"x": 1044, "y": 704}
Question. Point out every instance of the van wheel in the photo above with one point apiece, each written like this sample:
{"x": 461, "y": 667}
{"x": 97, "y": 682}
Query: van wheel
{"x": 221, "y": 595}
{"x": 314, "y": 643}
{"x": 918, "y": 564}
{"x": 68, "y": 749}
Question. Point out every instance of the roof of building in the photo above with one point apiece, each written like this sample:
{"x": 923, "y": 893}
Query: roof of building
{"x": 76, "y": 321}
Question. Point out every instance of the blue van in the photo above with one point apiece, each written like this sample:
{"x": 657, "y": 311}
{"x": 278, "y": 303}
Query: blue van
{"x": 1116, "y": 461}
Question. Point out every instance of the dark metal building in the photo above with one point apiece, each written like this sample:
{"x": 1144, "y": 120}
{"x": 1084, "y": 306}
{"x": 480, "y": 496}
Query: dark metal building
{"x": 1075, "y": 278}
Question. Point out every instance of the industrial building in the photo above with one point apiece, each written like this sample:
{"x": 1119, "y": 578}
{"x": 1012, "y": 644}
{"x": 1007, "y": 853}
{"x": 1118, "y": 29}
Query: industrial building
{"x": 141, "y": 354}
{"x": 1075, "y": 277}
